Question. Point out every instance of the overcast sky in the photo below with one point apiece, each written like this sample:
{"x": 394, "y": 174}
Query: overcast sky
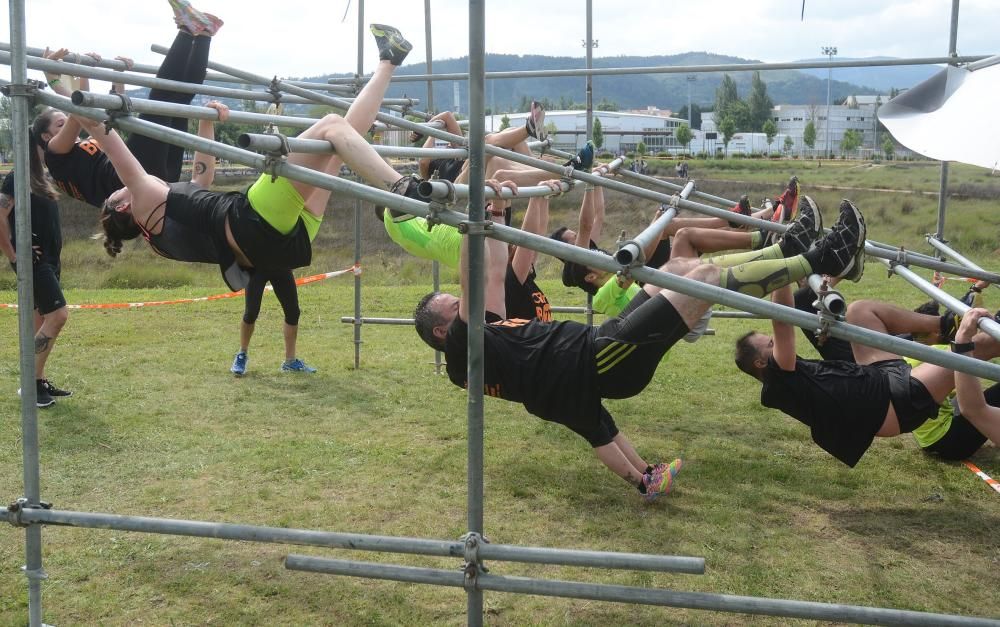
{"x": 295, "y": 38}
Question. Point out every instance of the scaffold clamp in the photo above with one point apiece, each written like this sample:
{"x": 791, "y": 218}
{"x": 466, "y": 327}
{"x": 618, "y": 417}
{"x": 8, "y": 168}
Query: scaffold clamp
{"x": 29, "y": 88}
{"x": 276, "y": 157}
{"x": 475, "y": 227}
{"x": 274, "y": 89}
{"x": 14, "y": 511}
{"x": 113, "y": 114}
{"x": 434, "y": 209}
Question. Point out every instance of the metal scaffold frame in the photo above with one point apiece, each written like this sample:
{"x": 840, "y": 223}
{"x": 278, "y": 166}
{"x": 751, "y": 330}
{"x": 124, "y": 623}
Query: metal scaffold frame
{"x": 30, "y": 512}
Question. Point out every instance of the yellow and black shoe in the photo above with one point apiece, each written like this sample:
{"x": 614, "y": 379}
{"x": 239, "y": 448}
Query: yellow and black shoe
{"x": 392, "y": 46}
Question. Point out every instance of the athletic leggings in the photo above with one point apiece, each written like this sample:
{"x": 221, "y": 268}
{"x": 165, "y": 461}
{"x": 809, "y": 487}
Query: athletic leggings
{"x": 283, "y": 283}
{"x": 186, "y": 61}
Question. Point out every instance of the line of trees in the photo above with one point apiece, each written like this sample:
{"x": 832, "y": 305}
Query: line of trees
{"x": 733, "y": 114}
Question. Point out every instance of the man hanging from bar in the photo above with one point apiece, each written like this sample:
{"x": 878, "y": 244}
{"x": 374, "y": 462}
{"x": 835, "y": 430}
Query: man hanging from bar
{"x": 979, "y": 409}
{"x": 561, "y": 370}
{"x": 847, "y": 403}
{"x": 272, "y": 225}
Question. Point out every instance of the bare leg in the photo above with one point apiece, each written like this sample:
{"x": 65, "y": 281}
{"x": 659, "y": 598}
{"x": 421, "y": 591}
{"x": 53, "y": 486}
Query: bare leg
{"x": 45, "y": 338}
{"x": 246, "y": 332}
{"x": 629, "y": 451}
{"x": 691, "y": 242}
{"x": 887, "y": 318}
{"x": 612, "y": 456}
{"x": 291, "y": 333}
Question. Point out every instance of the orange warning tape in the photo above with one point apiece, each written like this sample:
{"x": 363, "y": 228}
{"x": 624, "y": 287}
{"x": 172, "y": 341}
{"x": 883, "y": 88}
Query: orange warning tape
{"x": 355, "y": 269}
{"x": 993, "y": 483}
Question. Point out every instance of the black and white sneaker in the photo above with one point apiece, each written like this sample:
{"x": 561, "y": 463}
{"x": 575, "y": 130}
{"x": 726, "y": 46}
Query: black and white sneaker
{"x": 405, "y": 186}
{"x": 842, "y": 252}
{"x": 803, "y": 231}
{"x": 53, "y": 390}
{"x": 392, "y": 46}
{"x": 535, "y": 125}
{"x": 42, "y": 396}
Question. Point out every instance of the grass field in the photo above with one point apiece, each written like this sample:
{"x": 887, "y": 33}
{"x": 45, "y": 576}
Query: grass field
{"x": 158, "y": 427}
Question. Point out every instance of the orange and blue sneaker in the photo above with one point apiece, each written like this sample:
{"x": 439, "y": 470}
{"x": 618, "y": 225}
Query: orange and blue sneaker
{"x": 660, "y": 480}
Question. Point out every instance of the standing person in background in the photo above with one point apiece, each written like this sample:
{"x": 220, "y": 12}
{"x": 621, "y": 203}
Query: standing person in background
{"x": 50, "y": 313}
{"x": 283, "y": 284}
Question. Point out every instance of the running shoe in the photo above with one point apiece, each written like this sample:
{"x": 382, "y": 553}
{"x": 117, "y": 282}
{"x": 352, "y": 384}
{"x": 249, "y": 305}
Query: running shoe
{"x": 672, "y": 468}
{"x": 657, "y": 484}
{"x": 405, "y": 186}
{"x": 42, "y": 396}
{"x": 584, "y": 159}
{"x": 194, "y": 21}
{"x": 803, "y": 231}
{"x": 392, "y": 46}
{"x": 535, "y": 124}
{"x": 950, "y": 321}
{"x": 53, "y": 390}
{"x": 841, "y": 253}
{"x": 742, "y": 208}
{"x": 296, "y": 365}
{"x": 239, "y": 366}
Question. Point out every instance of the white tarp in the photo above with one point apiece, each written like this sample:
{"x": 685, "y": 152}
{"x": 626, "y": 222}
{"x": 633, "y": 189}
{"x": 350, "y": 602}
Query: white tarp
{"x": 951, "y": 116}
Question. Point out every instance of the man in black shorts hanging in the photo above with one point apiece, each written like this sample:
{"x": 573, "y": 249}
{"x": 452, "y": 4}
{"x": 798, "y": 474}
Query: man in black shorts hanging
{"x": 46, "y": 243}
{"x": 847, "y": 403}
{"x": 560, "y": 371}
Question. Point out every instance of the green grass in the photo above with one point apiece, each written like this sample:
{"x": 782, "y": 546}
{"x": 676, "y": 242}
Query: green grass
{"x": 158, "y": 427}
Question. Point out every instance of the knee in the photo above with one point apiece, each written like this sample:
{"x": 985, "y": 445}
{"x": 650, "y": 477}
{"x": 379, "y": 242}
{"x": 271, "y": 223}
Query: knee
{"x": 292, "y": 316}
{"x": 331, "y": 120}
{"x": 56, "y": 320}
{"x": 706, "y": 273}
{"x": 860, "y": 309}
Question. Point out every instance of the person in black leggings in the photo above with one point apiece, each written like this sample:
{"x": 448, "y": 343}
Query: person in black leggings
{"x": 283, "y": 284}
{"x": 80, "y": 168}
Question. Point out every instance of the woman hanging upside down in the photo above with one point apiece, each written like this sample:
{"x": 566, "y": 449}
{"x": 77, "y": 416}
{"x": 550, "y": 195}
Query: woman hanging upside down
{"x": 271, "y": 226}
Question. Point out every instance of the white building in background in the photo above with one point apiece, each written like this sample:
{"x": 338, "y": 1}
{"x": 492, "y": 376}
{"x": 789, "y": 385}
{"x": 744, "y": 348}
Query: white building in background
{"x": 857, "y": 113}
{"x": 622, "y": 131}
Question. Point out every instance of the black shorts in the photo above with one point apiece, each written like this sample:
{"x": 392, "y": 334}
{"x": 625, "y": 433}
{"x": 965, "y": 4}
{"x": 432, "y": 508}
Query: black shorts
{"x": 48, "y": 293}
{"x": 597, "y": 432}
{"x": 628, "y": 348}
{"x": 914, "y": 405}
{"x": 963, "y": 439}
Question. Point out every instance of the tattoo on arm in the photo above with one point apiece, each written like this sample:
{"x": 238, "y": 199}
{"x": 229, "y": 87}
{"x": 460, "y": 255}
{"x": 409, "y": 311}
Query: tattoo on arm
{"x": 6, "y": 202}
{"x": 200, "y": 167}
{"x": 42, "y": 343}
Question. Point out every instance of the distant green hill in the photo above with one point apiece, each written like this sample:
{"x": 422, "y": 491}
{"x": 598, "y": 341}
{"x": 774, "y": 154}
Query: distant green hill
{"x": 665, "y": 91}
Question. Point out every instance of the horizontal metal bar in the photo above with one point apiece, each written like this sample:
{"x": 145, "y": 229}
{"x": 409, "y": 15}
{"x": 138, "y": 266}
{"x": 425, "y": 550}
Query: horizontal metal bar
{"x": 262, "y": 142}
{"x": 439, "y": 189}
{"x": 629, "y": 594}
{"x": 632, "y": 251}
{"x": 931, "y": 264}
{"x": 547, "y": 245}
{"x": 833, "y": 302}
{"x": 371, "y": 320}
{"x": 678, "y": 69}
{"x": 983, "y": 63}
{"x": 360, "y": 542}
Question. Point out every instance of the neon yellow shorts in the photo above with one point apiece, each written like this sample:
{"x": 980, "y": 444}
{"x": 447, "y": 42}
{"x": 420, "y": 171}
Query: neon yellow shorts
{"x": 281, "y": 205}
{"x": 443, "y": 243}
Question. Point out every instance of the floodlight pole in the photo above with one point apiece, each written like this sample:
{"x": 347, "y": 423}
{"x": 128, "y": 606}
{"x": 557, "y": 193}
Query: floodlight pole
{"x": 943, "y": 192}
{"x": 690, "y": 79}
{"x": 829, "y": 51}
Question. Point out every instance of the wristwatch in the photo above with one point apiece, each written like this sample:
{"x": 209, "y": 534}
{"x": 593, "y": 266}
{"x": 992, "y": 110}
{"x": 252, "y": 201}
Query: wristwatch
{"x": 963, "y": 347}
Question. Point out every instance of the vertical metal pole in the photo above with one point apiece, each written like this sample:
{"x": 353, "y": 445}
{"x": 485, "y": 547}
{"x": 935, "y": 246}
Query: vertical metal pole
{"x": 589, "y": 44}
{"x": 943, "y": 190}
{"x": 829, "y": 79}
{"x": 435, "y": 266}
{"x": 358, "y": 207}
{"x": 477, "y": 213}
{"x": 21, "y": 108}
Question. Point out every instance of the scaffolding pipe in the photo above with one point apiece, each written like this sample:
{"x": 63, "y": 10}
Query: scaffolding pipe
{"x": 632, "y": 251}
{"x": 440, "y": 189}
{"x": 831, "y": 301}
{"x": 20, "y": 99}
{"x": 679, "y": 69}
{"x": 115, "y": 64}
{"x": 950, "y": 252}
{"x": 546, "y": 245}
{"x": 987, "y": 324}
{"x": 264, "y": 142}
{"x": 630, "y": 594}
{"x": 355, "y": 541}
{"x": 375, "y": 320}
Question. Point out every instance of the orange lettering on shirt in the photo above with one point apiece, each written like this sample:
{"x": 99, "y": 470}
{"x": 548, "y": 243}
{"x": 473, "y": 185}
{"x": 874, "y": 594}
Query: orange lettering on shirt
{"x": 90, "y": 146}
